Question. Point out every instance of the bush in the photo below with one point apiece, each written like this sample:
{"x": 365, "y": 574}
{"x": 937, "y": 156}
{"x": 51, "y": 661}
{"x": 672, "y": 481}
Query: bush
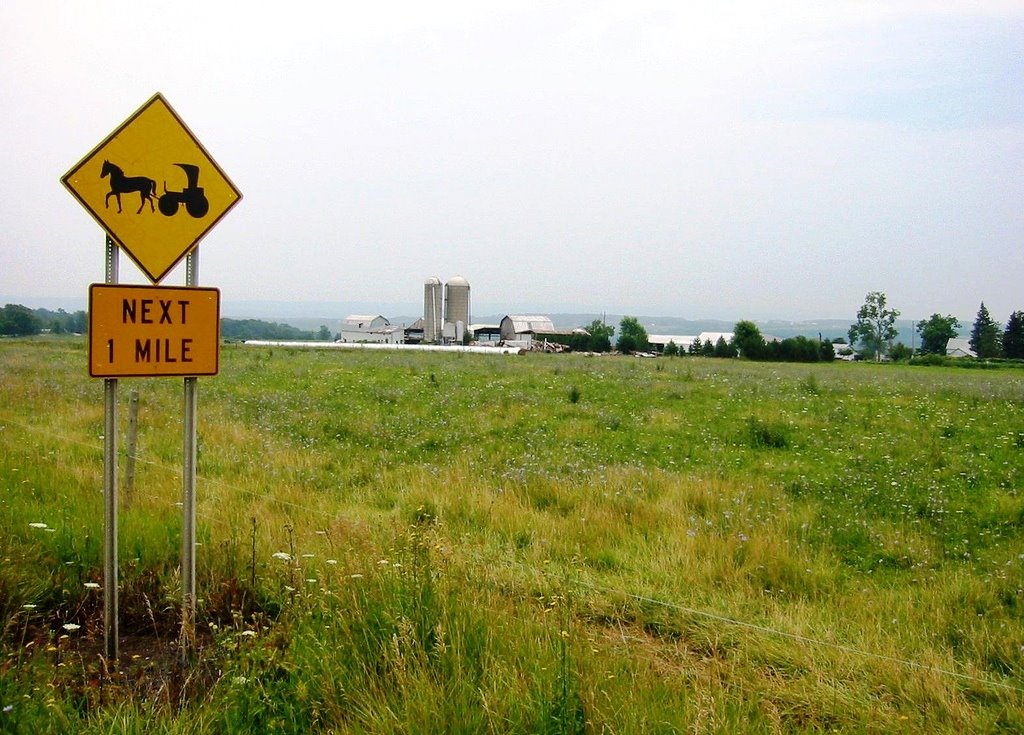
{"x": 930, "y": 360}
{"x": 765, "y": 435}
{"x": 900, "y": 352}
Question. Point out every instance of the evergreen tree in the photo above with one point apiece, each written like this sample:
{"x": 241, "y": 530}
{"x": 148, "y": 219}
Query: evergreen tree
{"x": 1013, "y": 337}
{"x": 724, "y": 349}
{"x": 985, "y": 336}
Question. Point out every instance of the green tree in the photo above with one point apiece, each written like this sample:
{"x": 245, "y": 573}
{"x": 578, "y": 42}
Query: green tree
{"x": 632, "y": 336}
{"x": 875, "y": 327}
{"x": 936, "y": 331}
{"x": 324, "y": 334}
{"x": 1013, "y": 337}
{"x": 600, "y": 336}
{"x": 748, "y": 340}
{"x": 17, "y": 320}
{"x": 724, "y": 349}
{"x": 985, "y": 335}
{"x": 671, "y": 349}
{"x": 900, "y": 352}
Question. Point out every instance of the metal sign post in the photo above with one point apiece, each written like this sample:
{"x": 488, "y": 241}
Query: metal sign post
{"x": 188, "y": 494}
{"x": 110, "y": 635}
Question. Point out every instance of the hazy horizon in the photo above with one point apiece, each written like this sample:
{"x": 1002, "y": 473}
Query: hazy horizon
{"x": 306, "y": 313}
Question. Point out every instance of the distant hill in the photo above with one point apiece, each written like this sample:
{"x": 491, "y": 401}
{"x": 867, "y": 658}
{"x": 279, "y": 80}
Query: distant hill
{"x": 241, "y": 329}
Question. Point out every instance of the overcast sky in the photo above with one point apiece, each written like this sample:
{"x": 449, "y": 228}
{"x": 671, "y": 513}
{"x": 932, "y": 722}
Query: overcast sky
{"x": 693, "y": 159}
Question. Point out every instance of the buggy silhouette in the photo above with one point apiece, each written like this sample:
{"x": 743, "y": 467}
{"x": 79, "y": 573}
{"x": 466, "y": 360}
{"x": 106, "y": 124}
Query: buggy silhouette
{"x": 192, "y": 196}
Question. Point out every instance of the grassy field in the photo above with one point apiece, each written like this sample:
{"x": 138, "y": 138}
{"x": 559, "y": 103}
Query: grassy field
{"x": 412, "y": 542}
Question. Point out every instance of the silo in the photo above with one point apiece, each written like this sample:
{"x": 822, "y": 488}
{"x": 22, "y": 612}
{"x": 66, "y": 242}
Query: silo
{"x": 456, "y": 301}
{"x": 432, "y": 310}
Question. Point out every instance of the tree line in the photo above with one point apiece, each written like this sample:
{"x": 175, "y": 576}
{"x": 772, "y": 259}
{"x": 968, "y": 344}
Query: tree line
{"x": 875, "y": 330}
{"x": 20, "y": 321}
{"x": 872, "y": 335}
{"x": 17, "y": 320}
{"x": 747, "y": 341}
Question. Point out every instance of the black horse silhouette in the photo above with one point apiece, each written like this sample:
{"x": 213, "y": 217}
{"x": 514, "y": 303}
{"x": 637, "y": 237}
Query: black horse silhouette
{"x": 121, "y": 184}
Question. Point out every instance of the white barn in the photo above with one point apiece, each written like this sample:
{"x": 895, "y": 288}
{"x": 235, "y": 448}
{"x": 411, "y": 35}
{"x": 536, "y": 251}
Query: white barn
{"x": 370, "y": 328}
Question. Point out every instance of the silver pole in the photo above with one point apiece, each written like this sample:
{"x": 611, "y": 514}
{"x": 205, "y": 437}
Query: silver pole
{"x": 188, "y": 530}
{"x": 110, "y": 614}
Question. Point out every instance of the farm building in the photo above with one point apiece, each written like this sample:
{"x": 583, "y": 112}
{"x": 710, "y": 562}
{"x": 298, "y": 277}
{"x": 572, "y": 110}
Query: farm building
{"x": 713, "y": 337}
{"x": 958, "y": 347}
{"x": 415, "y": 333}
{"x": 660, "y": 341}
{"x": 525, "y": 329}
{"x": 370, "y": 328}
{"x": 485, "y": 332}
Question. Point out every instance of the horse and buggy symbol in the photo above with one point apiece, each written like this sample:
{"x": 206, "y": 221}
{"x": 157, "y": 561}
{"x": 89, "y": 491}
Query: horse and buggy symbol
{"x": 191, "y": 196}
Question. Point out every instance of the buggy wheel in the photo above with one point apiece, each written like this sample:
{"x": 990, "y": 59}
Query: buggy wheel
{"x": 197, "y": 206}
{"x": 168, "y": 205}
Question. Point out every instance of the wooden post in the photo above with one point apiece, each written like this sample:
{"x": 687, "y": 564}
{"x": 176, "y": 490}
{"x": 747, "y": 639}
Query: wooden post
{"x": 133, "y": 441}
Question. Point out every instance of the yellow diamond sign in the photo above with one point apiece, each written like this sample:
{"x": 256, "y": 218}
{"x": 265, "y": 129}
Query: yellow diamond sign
{"x": 153, "y": 187}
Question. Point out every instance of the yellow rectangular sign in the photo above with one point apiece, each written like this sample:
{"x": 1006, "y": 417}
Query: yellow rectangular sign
{"x": 153, "y": 331}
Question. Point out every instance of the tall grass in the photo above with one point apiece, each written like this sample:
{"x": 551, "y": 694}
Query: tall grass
{"x": 420, "y": 542}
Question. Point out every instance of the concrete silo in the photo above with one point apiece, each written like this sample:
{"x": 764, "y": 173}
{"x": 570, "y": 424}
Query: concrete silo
{"x": 432, "y": 310}
{"x": 456, "y": 304}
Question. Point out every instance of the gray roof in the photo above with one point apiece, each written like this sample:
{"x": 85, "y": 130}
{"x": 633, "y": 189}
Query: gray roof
{"x": 536, "y": 324}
